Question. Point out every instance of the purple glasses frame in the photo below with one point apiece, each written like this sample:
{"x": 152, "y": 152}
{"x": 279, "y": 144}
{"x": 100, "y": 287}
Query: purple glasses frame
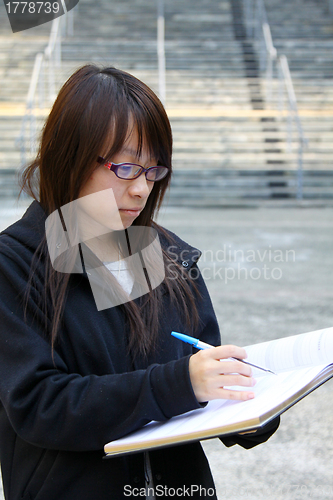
{"x": 115, "y": 166}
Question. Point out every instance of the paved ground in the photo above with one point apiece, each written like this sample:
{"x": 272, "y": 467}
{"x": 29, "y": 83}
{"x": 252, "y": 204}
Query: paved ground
{"x": 273, "y": 272}
{"x": 295, "y": 297}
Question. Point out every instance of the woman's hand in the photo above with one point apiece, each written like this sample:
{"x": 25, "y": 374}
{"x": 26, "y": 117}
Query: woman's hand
{"x": 209, "y": 375}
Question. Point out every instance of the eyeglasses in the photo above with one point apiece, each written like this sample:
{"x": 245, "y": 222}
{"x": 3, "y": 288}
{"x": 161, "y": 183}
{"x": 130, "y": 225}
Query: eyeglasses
{"x": 129, "y": 171}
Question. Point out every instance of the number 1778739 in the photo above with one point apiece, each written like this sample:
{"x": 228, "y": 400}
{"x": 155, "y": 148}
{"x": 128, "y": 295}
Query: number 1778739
{"x": 32, "y": 7}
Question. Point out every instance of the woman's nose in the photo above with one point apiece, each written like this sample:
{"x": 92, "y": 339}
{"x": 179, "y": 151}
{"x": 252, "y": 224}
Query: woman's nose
{"x": 140, "y": 187}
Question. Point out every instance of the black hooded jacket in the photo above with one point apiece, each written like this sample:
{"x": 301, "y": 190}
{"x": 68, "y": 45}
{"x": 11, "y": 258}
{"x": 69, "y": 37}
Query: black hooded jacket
{"x": 57, "y": 414}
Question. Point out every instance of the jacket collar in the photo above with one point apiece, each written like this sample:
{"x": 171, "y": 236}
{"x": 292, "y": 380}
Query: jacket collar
{"x": 177, "y": 249}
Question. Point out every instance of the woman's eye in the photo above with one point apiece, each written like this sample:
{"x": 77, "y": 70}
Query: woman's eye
{"x": 125, "y": 170}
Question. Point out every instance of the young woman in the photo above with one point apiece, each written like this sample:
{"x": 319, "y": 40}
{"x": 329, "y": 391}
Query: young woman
{"x": 75, "y": 372}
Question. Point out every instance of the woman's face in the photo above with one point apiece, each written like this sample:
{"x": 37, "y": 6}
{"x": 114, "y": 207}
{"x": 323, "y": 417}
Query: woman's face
{"x": 125, "y": 199}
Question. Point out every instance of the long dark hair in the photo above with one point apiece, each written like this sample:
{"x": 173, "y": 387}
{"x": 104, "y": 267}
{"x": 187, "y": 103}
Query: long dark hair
{"x": 92, "y": 102}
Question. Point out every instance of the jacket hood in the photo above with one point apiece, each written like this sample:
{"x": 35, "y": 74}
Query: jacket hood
{"x": 30, "y": 229}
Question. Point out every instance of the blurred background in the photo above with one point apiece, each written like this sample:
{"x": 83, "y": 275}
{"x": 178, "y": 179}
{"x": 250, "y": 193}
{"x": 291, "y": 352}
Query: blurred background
{"x": 247, "y": 85}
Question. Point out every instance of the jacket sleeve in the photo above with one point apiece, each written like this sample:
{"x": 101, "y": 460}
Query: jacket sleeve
{"x": 51, "y": 407}
{"x": 251, "y": 439}
{"x": 210, "y": 334}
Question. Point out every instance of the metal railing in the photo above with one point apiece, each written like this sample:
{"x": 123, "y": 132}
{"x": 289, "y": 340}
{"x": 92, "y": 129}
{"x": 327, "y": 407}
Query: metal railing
{"x": 161, "y": 50}
{"x": 293, "y": 116}
{"x": 271, "y": 64}
{"x": 270, "y": 58}
{"x": 255, "y": 16}
{"x": 42, "y": 87}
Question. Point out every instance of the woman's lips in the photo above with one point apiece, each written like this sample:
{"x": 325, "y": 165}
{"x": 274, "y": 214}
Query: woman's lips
{"x": 134, "y": 212}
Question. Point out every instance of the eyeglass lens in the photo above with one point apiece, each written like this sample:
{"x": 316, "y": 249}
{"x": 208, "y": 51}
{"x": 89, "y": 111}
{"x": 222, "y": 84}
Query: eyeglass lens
{"x": 131, "y": 171}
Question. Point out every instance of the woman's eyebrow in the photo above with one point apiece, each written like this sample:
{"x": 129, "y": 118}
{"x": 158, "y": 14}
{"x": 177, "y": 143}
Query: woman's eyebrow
{"x": 130, "y": 152}
{"x": 134, "y": 153}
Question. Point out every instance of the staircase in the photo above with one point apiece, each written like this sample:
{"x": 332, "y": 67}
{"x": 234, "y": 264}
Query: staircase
{"x": 17, "y": 56}
{"x": 229, "y": 144}
{"x": 242, "y": 146}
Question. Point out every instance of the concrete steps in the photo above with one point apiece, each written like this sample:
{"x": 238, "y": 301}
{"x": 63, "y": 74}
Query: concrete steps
{"x": 306, "y": 19}
{"x": 216, "y": 99}
{"x": 211, "y": 188}
{"x": 16, "y": 64}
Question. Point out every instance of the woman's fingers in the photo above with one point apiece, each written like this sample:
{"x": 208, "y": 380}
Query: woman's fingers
{"x": 234, "y": 379}
{"x": 226, "y": 351}
{"x": 211, "y": 371}
{"x": 223, "y": 367}
{"x": 235, "y": 395}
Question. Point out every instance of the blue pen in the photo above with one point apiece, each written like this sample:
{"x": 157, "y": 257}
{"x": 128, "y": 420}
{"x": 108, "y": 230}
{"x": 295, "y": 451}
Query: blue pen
{"x": 202, "y": 345}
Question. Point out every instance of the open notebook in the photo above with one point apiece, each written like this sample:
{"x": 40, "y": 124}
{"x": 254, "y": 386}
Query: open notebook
{"x": 301, "y": 363}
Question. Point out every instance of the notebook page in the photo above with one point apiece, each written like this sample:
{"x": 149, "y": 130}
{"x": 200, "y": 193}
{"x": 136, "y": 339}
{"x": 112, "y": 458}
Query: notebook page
{"x": 270, "y": 392}
{"x": 287, "y": 353}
